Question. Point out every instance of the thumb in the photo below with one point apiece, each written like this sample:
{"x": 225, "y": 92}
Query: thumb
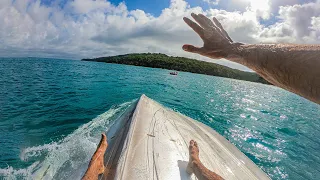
{"x": 190, "y": 48}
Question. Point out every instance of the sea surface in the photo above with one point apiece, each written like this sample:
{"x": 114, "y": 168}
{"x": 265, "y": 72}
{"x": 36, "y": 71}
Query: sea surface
{"x": 53, "y": 111}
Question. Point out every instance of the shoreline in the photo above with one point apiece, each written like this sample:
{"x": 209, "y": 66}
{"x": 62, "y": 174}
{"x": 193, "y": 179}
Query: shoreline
{"x": 162, "y": 61}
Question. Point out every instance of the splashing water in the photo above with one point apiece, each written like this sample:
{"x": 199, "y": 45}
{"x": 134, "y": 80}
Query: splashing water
{"x": 45, "y": 100}
{"x": 69, "y": 157}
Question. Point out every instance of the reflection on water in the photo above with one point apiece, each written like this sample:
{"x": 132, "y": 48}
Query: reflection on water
{"x": 46, "y": 106}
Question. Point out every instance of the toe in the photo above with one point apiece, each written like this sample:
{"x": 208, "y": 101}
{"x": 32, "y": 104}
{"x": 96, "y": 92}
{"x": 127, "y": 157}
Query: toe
{"x": 102, "y": 144}
{"x": 191, "y": 142}
{"x": 103, "y": 137}
{"x": 196, "y": 144}
{"x": 191, "y": 145}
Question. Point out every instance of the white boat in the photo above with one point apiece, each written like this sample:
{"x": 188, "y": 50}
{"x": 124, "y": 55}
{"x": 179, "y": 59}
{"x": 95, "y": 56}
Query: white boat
{"x": 151, "y": 142}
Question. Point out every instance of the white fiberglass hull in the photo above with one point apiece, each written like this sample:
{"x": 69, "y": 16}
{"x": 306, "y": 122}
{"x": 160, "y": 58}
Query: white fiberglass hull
{"x": 153, "y": 144}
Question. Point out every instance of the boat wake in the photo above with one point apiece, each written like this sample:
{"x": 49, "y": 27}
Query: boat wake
{"x": 69, "y": 157}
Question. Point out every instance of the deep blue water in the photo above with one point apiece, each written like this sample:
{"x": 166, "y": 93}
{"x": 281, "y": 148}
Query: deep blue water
{"x": 52, "y": 111}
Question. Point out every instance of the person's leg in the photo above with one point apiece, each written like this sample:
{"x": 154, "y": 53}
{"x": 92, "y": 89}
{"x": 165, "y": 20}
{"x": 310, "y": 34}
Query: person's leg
{"x": 195, "y": 166}
{"x": 96, "y": 165}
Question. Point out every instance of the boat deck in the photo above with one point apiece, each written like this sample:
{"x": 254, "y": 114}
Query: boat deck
{"x": 151, "y": 142}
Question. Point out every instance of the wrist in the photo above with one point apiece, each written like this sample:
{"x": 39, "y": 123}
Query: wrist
{"x": 237, "y": 53}
{"x": 250, "y": 55}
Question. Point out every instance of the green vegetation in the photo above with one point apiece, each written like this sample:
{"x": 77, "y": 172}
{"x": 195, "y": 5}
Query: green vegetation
{"x": 180, "y": 64}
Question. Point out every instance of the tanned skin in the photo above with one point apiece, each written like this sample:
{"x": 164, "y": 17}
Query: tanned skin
{"x": 195, "y": 165}
{"x": 295, "y": 68}
{"x": 96, "y": 166}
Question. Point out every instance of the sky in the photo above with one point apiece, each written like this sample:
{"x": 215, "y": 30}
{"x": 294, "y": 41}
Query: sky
{"x": 76, "y": 29}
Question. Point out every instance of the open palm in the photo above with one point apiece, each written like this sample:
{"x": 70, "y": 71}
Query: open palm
{"x": 217, "y": 43}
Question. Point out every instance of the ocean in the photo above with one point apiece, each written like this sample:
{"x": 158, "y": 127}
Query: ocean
{"x": 52, "y": 112}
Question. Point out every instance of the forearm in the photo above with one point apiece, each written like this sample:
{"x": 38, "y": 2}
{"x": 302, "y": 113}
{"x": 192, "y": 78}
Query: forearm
{"x": 295, "y": 68}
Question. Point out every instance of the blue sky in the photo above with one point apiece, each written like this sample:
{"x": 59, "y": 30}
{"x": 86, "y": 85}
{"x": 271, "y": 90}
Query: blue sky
{"x": 153, "y": 7}
{"x": 76, "y": 29}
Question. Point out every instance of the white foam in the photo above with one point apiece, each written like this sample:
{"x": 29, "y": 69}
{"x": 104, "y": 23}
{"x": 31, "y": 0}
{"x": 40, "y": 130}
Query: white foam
{"x": 69, "y": 157}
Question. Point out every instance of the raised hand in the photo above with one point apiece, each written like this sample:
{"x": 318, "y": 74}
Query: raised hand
{"x": 217, "y": 43}
{"x": 289, "y": 66}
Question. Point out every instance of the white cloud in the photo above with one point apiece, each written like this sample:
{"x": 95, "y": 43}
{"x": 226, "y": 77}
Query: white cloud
{"x": 276, "y": 4}
{"x": 298, "y": 24}
{"x": 261, "y": 8}
{"x": 87, "y": 28}
{"x": 86, "y": 6}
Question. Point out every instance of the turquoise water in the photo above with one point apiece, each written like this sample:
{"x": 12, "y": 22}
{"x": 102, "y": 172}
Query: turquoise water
{"x": 52, "y": 111}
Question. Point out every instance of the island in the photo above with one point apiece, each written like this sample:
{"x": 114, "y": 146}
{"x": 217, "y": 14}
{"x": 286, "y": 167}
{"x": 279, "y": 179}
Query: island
{"x": 157, "y": 60}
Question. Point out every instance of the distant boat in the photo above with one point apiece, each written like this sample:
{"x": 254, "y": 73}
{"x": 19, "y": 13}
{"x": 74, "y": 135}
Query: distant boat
{"x": 174, "y": 73}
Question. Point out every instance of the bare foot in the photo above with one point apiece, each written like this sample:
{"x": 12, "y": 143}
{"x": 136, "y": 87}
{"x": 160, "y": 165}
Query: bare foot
{"x": 96, "y": 165}
{"x": 98, "y": 157}
{"x": 193, "y": 156}
{"x": 195, "y": 166}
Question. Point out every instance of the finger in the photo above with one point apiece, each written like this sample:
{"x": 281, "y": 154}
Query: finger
{"x": 199, "y": 30}
{"x": 215, "y": 20}
{"x": 207, "y": 20}
{"x": 224, "y": 33}
{"x": 201, "y": 21}
{"x": 192, "y": 49}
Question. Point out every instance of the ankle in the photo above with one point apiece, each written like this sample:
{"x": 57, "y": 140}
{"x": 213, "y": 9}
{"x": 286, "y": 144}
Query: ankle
{"x": 196, "y": 163}
{"x": 195, "y": 158}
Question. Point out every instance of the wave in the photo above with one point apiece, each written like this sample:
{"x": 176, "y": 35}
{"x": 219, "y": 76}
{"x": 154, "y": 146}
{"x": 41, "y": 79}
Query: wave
{"x": 69, "y": 157}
